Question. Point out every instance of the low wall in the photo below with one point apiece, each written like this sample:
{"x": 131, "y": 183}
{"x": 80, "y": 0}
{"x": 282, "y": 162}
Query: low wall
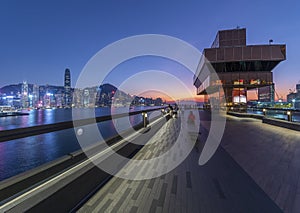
{"x": 282, "y": 123}
{"x": 271, "y": 121}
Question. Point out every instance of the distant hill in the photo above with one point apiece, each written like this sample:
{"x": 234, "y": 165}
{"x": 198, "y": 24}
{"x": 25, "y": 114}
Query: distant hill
{"x": 14, "y": 89}
{"x": 107, "y": 88}
{"x": 107, "y": 91}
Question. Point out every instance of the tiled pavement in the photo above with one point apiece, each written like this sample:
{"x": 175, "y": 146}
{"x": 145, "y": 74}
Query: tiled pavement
{"x": 270, "y": 155}
{"x": 218, "y": 186}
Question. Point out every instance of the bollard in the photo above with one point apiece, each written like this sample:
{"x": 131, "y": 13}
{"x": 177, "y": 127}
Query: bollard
{"x": 289, "y": 114}
{"x": 145, "y": 121}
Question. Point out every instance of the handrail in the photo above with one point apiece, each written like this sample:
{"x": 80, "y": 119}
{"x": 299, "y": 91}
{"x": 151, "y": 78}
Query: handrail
{"x": 272, "y": 108}
{"x": 38, "y": 190}
{"x": 292, "y": 115}
{"x": 11, "y": 134}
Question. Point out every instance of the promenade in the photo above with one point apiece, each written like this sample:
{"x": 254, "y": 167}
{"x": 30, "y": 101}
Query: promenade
{"x": 221, "y": 185}
{"x": 256, "y": 168}
{"x": 270, "y": 155}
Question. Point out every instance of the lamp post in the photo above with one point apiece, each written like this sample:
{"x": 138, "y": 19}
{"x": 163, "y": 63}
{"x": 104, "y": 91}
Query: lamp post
{"x": 289, "y": 114}
{"x": 293, "y": 101}
{"x": 265, "y": 112}
{"x": 145, "y": 120}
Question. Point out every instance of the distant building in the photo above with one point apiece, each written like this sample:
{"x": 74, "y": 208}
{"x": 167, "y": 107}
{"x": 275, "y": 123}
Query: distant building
{"x": 239, "y": 67}
{"x": 34, "y": 96}
{"x": 158, "y": 102}
{"x": 298, "y": 88}
{"x": 294, "y": 97}
{"x": 17, "y": 95}
{"x": 89, "y": 96}
{"x": 266, "y": 94}
{"x": 291, "y": 97}
{"x": 78, "y": 97}
{"x": 25, "y": 95}
{"x": 51, "y": 96}
{"x": 68, "y": 97}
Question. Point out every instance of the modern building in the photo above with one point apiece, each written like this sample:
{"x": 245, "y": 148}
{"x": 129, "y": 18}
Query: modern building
{"x": 239, "y": 67}
{"x": 294, "y": 97}
{"x": 34, "y": 96}
{"x": 266, "y": 94}
{"x": 25, "y": 95}
{"x": 51, "y": 96}
{"x": 68, "y": 95}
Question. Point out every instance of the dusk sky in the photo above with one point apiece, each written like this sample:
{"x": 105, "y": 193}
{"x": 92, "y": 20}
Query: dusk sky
{"x": 39, "y": 39}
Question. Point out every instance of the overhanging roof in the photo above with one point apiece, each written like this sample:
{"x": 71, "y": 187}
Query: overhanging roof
{"x": 246, "y": 53}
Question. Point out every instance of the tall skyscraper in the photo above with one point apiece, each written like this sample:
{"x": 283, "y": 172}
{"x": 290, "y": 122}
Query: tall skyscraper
{"x": 25, "y": 95}
{"x": 34, "y": 97}
{"x": 67, "y": 88}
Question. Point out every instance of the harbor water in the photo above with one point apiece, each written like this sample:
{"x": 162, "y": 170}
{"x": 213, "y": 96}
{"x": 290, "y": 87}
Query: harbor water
{"x": 17, "y": 156}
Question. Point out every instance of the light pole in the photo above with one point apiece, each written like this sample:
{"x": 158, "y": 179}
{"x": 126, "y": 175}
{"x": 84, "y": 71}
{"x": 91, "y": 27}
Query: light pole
{"x": 294, "y": 100}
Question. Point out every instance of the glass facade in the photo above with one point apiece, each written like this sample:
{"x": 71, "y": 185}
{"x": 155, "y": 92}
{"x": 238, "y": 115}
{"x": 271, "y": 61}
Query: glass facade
{"x": 68, "y": 99}
{"x": 240, "y": 67}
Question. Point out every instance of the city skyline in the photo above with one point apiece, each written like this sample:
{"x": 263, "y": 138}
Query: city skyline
{"x": 27, "y": 95}
{"x": 41, "y": 40}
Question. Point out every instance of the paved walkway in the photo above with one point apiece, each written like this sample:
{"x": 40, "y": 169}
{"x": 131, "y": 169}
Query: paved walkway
{"x": 219, "y": 186}
{"x": 270, "y": 155}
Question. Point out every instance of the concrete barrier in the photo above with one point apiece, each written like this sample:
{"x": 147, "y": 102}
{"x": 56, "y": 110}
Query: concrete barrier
{"x": 282, "y": 123}
{"x": 12, "y": 186}
{"x": 88, "y": 174}
{"x": 11, "y": 134}
{"x": 271, "y": 121}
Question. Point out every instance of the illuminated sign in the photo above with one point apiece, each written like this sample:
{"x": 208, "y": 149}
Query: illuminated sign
{"x": 255, "y": 81}
{"x": 239, "y": 82}
{"x": 240, "y": 99}
{"x": 218, "y": 82}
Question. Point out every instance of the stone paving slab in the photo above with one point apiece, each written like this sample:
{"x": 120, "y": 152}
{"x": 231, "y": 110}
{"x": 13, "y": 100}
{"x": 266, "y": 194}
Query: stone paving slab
{"x": 270, "y": 155}
{"x": 221, "y": 185}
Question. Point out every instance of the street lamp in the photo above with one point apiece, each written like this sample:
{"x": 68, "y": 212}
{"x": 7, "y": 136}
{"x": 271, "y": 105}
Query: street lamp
{"x": 289, "y": 114}
{"x": 264, "y": 111}
{"x": 294, "y": 100}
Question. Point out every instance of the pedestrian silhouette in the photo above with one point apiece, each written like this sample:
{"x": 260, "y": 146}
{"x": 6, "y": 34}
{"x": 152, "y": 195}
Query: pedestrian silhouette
{"x": 191, "y": 118}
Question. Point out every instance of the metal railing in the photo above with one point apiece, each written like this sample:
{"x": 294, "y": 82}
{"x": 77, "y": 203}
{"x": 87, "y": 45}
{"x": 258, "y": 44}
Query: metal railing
{"x": 16, "y": 186}
{"x": 13, "y": 134}
{"x": 292, "y": 115}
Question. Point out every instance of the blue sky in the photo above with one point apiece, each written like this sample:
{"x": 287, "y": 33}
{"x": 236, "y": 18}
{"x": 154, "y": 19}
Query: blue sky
{"x": 39, "y": 39}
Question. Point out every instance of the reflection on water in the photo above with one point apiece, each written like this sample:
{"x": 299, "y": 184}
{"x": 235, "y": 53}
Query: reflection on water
{"x": 20, "y": 155}
{"x": 47, "y": 116}
{"x": 26, "y": 153}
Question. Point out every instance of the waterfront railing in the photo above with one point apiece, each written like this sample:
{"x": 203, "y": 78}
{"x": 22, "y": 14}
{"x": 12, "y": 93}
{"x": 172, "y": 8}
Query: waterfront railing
{"x": 12, "y": 134}
{"x": 284, "y": 114}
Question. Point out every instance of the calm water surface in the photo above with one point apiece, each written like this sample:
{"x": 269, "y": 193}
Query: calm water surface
{"x": 20, "y": 155}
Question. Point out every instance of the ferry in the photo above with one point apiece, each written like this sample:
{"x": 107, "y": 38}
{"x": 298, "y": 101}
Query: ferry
{"x": 10, "y": 111}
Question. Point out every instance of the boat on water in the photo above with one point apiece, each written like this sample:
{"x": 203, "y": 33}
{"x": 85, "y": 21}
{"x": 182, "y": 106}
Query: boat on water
{"x": 10, "y": 111}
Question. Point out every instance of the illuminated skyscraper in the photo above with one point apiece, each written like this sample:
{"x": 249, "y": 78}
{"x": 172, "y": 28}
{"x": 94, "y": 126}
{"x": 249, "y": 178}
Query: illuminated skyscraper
{"x": 24, "y": 95}
{"x": 34, "y": 96}
{"x": 67, "y": 88}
